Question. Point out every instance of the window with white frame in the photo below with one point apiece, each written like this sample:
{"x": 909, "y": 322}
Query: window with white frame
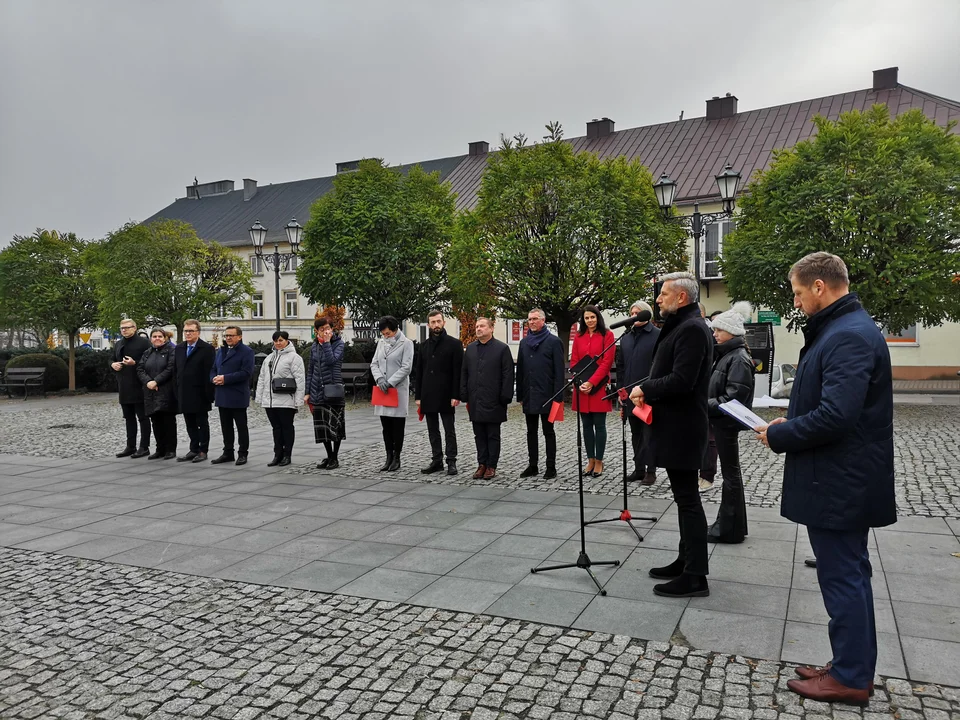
{"x": 220, "y": 312}
{"x": 96, "y": 343}
{"x": 257, "y": 301}
{"x": 290, "y": 304}
{"x": 713, "y": 247}
{"x": 907, "y": 336}
{"x": 256, "y": 265}
{"x": 289, "y": 265}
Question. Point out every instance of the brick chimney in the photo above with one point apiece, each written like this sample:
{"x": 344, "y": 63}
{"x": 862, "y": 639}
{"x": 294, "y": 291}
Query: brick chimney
{"x": 599, "y": 128}
{"x": 885, "y": 79}
{"x": 480, "y": 147}
{"x": 249, "y": 189}
{"x": 721, "y": 107}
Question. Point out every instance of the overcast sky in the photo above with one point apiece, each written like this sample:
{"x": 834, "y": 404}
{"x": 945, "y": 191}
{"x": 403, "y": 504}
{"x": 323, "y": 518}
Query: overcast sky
{"x": 109, "y": 108}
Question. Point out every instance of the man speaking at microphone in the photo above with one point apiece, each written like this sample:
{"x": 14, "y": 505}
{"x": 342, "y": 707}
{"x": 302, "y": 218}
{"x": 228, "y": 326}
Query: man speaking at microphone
{"x": 677, "y": 393}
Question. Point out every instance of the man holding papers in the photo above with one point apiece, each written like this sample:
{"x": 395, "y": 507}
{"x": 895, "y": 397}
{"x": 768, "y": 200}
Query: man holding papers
{"x": 838, "y": 473}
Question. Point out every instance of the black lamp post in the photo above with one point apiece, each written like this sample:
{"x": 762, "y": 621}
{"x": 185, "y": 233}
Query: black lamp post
{"x": 728, "y": 181}
{"x": 258, "y": 234}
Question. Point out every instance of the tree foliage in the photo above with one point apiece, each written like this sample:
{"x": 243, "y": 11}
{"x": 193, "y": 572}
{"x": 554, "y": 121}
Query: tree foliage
{"x": 163, "y": 274}
{"x": 471, "y": 292}
{"x": 558, "y": 230}
{"x": 43, "y": 284}
{"x": 882, "y": 194}
{"x": 375, "y": 242}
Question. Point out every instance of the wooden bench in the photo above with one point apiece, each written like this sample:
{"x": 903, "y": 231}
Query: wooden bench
{"x": 355, "y": 375}
{"x": 24, "y": 378}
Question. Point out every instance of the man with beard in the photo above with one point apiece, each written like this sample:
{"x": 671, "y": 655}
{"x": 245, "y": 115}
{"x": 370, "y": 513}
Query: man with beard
{"x": 437, "y": 390}
{"x": 486, "y": 384}
{"x": 126, "y": 355}
{"x": 540, "y": 364}
{"x": 677, "y": 391}
{"x": 637, "y": 348}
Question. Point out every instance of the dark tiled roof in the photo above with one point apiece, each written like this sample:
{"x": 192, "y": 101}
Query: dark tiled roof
{"x": 693, "y": 151}
{"x": 227, "y": 218}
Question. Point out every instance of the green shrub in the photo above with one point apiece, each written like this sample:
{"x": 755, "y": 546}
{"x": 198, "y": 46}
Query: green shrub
{"x": 56, "y": 377}
{"x": 93, "y": 370}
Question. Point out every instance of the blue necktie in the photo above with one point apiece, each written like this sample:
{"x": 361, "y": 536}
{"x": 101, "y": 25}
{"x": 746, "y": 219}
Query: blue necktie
{"x": 189, "y": 350}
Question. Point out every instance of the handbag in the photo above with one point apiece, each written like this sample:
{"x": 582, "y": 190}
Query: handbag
{"x": 282, "y": 385}
{"x": 334, "y": 391}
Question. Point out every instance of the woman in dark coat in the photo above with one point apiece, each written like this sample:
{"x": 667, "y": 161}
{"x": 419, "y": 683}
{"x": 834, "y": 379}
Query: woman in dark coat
{"x": 329, "y": 422}
{"x": 156, "y": 373}
{"x": 732, "y": 379}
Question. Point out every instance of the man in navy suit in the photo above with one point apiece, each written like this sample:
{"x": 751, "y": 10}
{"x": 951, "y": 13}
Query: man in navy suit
{"x": 838, "y": 472}
{"x": 193, "y": 360}
{"x": 231, "y": 375}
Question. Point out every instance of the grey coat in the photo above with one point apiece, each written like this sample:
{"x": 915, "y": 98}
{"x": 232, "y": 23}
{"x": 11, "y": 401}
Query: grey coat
{"x": 393, "y": 360}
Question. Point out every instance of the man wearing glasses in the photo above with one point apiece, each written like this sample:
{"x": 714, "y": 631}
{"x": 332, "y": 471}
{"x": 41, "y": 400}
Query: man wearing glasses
{"x": 126, "y": 355}
{"x": 231, "y": 375}
{"x": 193, "y": 359}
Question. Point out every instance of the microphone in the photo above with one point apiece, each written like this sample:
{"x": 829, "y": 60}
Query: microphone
{"x": 642, "y": 316}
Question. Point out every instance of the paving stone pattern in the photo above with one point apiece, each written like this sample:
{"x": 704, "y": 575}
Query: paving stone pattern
{"x": 87, "y": 639}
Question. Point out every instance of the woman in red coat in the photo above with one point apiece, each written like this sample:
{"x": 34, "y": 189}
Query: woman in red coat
{"x": 592, "y": 337}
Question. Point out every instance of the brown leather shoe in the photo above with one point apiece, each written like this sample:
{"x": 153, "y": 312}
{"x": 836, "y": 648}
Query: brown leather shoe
{"x": 808, "y": 671}
{"x": 491, "y": 472}
{"x": 825, "y": 688}
{"x": 480, "y": 471}
{"x": 649, "y": 478}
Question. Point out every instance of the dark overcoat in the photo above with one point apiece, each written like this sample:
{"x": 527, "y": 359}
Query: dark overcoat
{"x": 128, "y": 384}
{"x": 636, "y": 353}
{"x": 677, "y": 391}
{"x": 838, "y": 437}
{"x": 158, "y": 364}
{"x": 540, "y": 373}
{"x": 438, "y": 373}
{"x": 486, "y": 381}
{"x": 732, "y": 379}
{"x": 236, "y": 365}
{"x": 194, "y": 389}
{"x": 325, "y": 368}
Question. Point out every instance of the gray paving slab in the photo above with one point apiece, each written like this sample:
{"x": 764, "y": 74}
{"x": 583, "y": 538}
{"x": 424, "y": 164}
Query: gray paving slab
{"x": 493, "y": 568}
{"x": 557, "y": 607}
{"x": 384, "y": 514}
{"x": 434, "y": 518}
{"x": 535, "y": 549}
{"x": 919, "y": 620}
{"x": 203, "y": 561}
{"x": 908, "y": 588}
{"x": 298, "y": 524}
{"x": 807, "y": 607}
{"x": 755, "y": 572}
{"x": 461, "y": 594}
{"x": 349, "y": 529}
{"x": 53, "y": 542}
{"x": 362, "y": 552}
{"x": 102, "y": 547}
{"x": 808, "y": 644}
{"x": 261, "y": 569}
{"x": 322, "y": 576}
{"x": 742, "y": 598}
{"x": 462, "y": 540}
{"x": 936, "y": 661}
{"x": 403, "y": 534}
{"x": 627, "y": 616}
{"x": 151, "y": 554}
{"x": 256, "y": 541}
{"x": 429, "y": 560}
{"x": 387, "y": 584}
{"x": 310, "y": 547}
{"x": 733, "y": 633}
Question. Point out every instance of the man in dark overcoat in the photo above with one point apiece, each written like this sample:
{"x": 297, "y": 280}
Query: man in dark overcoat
{"x": 636, "y": 348}
{"x": 193, "y": 359}
{"x": 437, "y": 391}
{"x": 677, "y": 393}
{"x": 231, "y": 373}
{"x": 486, "y": 385}
{"x": 838, "y": 471}
{"x": 126, "y": 354}
{"x": 540, "y": 376}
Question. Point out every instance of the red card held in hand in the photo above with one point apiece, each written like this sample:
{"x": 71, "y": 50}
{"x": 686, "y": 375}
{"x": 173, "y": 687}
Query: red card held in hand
{"x": 390, "y": 398}
{"x": 420, "y": 413}
{"x": 644, "y": 412}
{"x": 556, "y": 412}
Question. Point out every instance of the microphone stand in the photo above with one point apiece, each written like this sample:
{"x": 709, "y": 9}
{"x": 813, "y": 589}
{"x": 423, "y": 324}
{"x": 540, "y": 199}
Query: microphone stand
{"x": 583, "y": 560}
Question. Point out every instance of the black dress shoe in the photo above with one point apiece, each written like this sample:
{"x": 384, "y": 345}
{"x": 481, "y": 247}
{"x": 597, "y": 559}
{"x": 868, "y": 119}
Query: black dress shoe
{"x": 333, "y": 464}
{"x": 435, "y": 466}
{"x": 169, "y": 456}
{"x": 684, "y": 586}
{"x": 275, "y": 461}
{"x": 201, "y": 457}
{"x": 551, "y": 473}
{"x": 451, "y": 467}
{"x": 810, "y": 562}
{"x": 635, "y": 476}
{"x": 155, "y": 456}
{"x": 530, "y": 471}
{"x": 126, "y": 452}
{"x": 285, "y": 460}
{"x": 142, "y": 452}
{"x": 241, "y": 459}
{"x": 188, "y": 457}
{"x": 394, "y": 464}
{"x": 225, "y": 458}
{"x": 673, "y": 570}
{"x": 323, "y": 464}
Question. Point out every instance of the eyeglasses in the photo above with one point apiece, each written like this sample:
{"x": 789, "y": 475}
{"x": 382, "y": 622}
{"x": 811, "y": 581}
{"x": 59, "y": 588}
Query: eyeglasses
{"x": 190, "y": 331}
{"x": 230, "y": 336}
{"x": 127, "y": 327}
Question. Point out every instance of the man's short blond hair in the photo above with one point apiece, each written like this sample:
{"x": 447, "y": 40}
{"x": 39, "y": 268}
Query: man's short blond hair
{"x": 829, "y": 268}
{"x": 193, "y": 322}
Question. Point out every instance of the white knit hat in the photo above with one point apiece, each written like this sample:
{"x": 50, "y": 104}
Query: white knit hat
{"x": 732, "y": 320}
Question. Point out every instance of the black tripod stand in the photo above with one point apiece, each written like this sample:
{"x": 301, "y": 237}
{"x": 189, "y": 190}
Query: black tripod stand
{"x": 583, "y": 560}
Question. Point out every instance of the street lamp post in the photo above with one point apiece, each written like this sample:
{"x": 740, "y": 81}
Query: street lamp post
{"x": 728, "y": 181}
{"x": 258, "y": 234}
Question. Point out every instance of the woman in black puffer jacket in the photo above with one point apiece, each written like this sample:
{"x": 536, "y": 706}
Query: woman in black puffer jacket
{"x": 732, "y": 379}
{"x": 329, "y": 421}
{"x": 156, "y": 372}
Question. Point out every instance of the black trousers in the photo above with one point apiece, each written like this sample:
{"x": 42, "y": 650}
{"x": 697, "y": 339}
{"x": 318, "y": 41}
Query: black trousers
{"x": 640, "y": 438}
{"x": 708, "y": 468}
{"x": 393, "y": 430}
{"x": 487, "y": 436}
{"x": 449, "y": 434}
{"x": 229, "y": 417}
{"x": 533, "y": 439}
{"x": 165, "y": 431}
{"x": 198, "y": 428}
{"x": 693, "y": 522}
{"x": 281, "y": 420}
{"x": 731, "y": 523}
{"x": 134, "y": 415}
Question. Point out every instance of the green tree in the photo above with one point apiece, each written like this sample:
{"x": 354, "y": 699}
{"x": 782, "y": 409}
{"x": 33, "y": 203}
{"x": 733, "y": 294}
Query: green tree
{"x": 43, "y": 284}
{"x": 375, "y": 242}
{"x": 471, "y": 290}
{"x": 564, "y": 229}
{"x": 163, "y": 274}
{"x": 882, "y": 194}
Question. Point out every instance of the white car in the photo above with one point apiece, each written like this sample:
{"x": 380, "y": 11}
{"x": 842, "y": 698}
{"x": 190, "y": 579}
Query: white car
{"x": 783, "y": 376}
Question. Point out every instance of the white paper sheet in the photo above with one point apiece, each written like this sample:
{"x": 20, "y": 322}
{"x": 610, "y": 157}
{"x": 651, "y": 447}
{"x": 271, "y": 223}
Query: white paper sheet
{"x": 742, "y": 414}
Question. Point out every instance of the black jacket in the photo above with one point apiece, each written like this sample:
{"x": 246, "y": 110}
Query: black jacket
{"x": 437, "y": 379}
{"x": 486, "y": 381}
{"x": 540, "y": 373}
{"x": 194, "y": 389}
{"x": 131, "y": 390}
{"x": 732, "y": 379}
{"x": 324, "y": 368}
{"x": 636, "y": 348}
{"x": 677, "y": 390}
{"x": 158, "y": 364}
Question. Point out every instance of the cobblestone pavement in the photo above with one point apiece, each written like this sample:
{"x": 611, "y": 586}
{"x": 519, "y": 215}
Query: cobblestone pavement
{"x": 86, "y": 639}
